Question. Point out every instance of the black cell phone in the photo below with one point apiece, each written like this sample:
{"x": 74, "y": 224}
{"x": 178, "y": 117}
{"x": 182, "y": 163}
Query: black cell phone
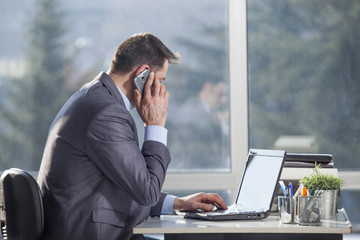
{"x": 140, "y": 80}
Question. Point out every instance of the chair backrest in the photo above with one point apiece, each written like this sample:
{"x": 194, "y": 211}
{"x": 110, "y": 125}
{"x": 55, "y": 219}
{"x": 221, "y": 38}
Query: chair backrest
{"x": 23, "y": 208}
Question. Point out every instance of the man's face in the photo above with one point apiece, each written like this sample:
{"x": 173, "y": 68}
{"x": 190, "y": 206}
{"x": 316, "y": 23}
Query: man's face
{"x": 218, "y": 93}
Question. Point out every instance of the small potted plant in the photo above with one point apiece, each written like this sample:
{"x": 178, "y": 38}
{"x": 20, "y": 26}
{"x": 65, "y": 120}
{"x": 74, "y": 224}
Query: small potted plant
{"x": 330, "y": 187}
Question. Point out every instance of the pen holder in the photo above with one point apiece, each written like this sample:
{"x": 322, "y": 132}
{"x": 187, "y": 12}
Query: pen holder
{"x": 309, "y": 210}
{"x": 286, "y": 209}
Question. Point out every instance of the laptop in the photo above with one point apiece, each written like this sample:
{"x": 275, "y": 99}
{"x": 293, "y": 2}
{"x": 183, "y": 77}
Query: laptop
{"x": 256, "y": 191}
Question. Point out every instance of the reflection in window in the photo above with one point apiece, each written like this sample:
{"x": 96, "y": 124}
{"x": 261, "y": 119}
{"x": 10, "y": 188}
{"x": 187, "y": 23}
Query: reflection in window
{"x": 199, "y": 116}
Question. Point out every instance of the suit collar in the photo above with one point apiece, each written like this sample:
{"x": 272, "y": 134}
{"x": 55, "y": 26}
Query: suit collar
{"x": 111, "y": 86}
{"x": 109, "y": 83}
{"x": 114, "y": 91}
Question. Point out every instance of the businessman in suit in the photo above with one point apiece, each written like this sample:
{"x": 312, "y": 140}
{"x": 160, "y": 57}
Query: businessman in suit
{"x": 96, "y": 182}
{"x": 201, "y": 126}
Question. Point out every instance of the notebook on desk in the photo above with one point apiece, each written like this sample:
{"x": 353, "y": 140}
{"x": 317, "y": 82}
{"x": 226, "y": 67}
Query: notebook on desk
{"x": 256, "y": 191}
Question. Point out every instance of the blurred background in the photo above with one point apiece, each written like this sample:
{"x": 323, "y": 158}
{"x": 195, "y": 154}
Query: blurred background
{"x": 303, "y": 61}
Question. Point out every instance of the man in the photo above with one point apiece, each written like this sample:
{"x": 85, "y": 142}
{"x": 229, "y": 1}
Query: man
{"x": 200, "y": 126}
{"x": 95, "y": 181}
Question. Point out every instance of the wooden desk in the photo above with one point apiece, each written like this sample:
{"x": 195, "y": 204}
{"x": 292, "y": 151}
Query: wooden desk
{"x": 177, "y": 227}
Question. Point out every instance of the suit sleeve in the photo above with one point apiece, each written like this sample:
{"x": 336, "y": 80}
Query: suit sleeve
{"x": 112, "y": 145}
{"x": 156, "y": 210}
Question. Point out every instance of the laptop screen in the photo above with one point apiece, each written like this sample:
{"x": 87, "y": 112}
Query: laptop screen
{"x": 260, "y": 179}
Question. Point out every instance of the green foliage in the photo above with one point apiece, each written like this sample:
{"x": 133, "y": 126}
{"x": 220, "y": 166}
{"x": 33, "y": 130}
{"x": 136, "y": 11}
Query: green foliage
{"x": 321, "y": 181}
{"x": 303, "y": 74}
{"x": 33, "y": 101}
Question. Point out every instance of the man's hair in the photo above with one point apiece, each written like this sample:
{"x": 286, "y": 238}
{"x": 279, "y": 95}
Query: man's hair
{"x": 142, "y": 48}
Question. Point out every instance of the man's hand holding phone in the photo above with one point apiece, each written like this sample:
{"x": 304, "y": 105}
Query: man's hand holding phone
{"x": 152, "y": 107}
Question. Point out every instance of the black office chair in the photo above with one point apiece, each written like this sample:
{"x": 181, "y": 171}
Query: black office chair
{"x": 22, "y": 215}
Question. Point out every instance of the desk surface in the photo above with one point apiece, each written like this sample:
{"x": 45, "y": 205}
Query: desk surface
{"x": 174, "y": 224}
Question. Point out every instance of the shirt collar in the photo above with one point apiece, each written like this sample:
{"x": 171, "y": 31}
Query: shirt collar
{"x": 125, "y": 99}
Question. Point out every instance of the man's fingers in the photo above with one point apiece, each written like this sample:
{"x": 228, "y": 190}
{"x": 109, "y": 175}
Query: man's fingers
{"x": 166, "y": 98}
{"x": 215, "y": 199}
{"x": 204, "y": 201}
{"x": 162, "y": 90}
{"x": 156, "y": 87}
{"x": 148, "y": 85}
{"x": 208, "y": 207}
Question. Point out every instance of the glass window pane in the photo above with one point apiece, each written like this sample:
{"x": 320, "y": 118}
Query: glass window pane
{"x": 303, "y": 61}
{"x": 50, "y": 48}
{"x": 198, "y": 118}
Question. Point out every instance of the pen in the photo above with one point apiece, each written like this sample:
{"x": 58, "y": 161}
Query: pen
{"x": 312, "y": 192}
{"x": 291, "y": 194}
{"x": 297, "y": 192}
{"x": 283, "y": 187}
{"x": 304, "y": 192}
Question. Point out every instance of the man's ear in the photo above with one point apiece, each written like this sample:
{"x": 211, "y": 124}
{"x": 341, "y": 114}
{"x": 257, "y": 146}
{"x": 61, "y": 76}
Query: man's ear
{"x": 142, "y": 68}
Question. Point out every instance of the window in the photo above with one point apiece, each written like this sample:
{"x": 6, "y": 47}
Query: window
{"x": 303, "y": 74}
{"x": 52, "y": 47}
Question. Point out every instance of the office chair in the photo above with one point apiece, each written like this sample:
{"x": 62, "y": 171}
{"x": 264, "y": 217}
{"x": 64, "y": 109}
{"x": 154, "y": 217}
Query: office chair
{"x": 22, "y": 216}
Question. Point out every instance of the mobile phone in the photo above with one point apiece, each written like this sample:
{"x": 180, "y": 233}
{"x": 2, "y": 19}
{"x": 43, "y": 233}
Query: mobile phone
{"x": 140, "y": 80}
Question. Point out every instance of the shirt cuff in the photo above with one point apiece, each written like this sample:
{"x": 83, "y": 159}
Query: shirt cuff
{"x": 168, "y": 204}
{"x": 156, "y": 133}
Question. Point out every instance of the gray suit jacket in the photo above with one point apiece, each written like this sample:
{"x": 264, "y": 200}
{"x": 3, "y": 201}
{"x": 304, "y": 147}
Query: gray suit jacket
{"x": 96, "y": 183}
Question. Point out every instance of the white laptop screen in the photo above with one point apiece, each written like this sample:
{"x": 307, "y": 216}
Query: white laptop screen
{"x": 260, "y": 179}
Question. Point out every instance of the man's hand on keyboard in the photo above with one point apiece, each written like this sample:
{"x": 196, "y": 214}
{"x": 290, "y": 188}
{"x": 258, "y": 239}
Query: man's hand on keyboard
{"x": 203, "y": 201}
